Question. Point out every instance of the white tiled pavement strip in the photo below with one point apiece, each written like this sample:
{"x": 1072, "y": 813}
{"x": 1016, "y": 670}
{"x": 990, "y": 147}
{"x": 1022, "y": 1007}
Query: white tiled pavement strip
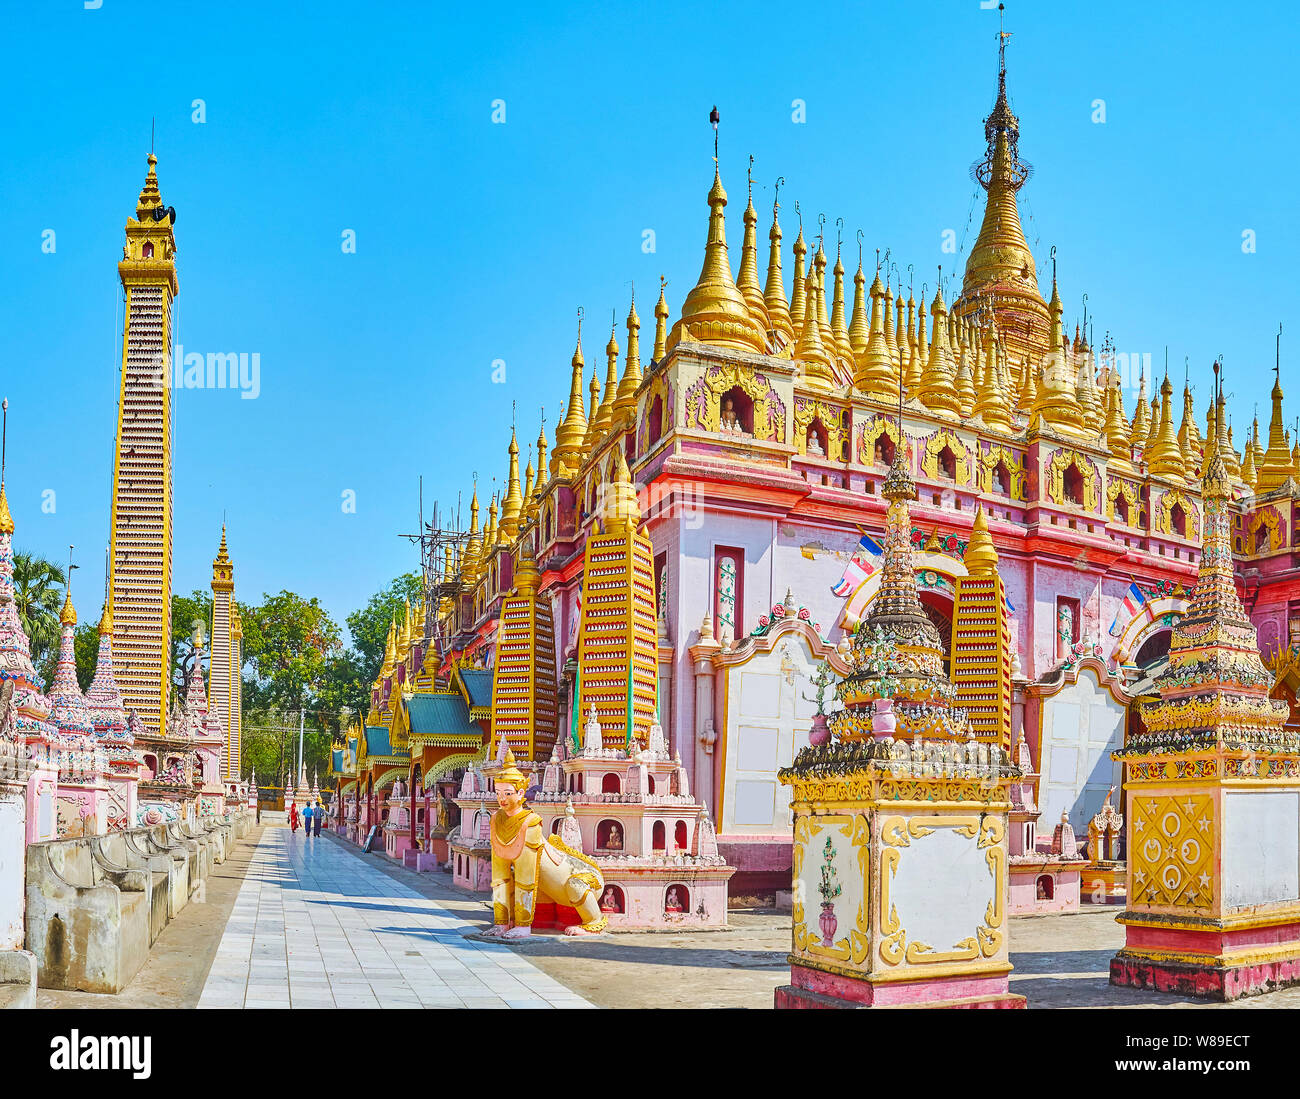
{"x": 317, "y": 925}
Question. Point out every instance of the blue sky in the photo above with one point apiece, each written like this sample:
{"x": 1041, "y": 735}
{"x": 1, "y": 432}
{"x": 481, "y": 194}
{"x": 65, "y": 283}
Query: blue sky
{"x": 478, "y": 241}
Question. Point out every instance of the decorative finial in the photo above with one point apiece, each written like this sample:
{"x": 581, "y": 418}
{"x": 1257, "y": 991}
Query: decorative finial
{"x": 839, "y": 237}
{"x": 713, "y": 121}
{"x": 910, "y": 277}
{"x": 799, "y": 214}
{"x": 749, "y": 176}
{"x": 860, "y": 236}
{"x": 1277, "y": 362}
{"x": 821, "y": 230}
{"x": 1053, "y": 253}
{"x": 776, "y": 197}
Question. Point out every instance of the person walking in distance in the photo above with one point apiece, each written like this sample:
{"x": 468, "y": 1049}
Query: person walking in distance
{"x": 318, "y": 817}
{"x": 293, "y": 817}
{"x": 306, "y": 818}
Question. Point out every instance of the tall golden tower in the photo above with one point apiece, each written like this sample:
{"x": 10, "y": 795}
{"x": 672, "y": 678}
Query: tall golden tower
{"x": 141, "y": 548}
{"x": 524, "y": 705}
{"x": 225, "y": 661}
{"x": 618, "y": 639}
{"x": 981, "y": 641}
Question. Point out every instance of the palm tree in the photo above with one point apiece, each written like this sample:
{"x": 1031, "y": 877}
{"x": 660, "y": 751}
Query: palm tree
{"x": 38, "y": 594}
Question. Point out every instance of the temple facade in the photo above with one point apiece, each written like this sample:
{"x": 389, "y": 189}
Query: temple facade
{"x": 759, "y": 432}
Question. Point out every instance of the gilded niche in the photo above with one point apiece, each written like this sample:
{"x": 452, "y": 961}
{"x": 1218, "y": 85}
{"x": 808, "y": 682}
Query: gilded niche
{"x": 1015, "y": 466}
{"x": 1117, "y": 489}
{"x": 1072, "y": 479}
{"x": 1268, "y": 519}
{"x": 878, "y": 431}
{"x": 657, "y": 412}
{"x": 835, "y": 447}
{"x": 704, "y": 400}
{"x": 954, "y": 465}
{"x": 1163, "y": 517}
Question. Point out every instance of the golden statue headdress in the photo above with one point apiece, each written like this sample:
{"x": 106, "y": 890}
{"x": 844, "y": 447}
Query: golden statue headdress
{"x": 510, "y": 773}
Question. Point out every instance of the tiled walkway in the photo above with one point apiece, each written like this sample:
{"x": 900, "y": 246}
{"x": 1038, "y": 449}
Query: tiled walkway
{"x": 316, "y": 924}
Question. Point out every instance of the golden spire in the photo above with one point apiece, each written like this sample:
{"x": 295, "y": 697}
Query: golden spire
{"x": 799, "y": 302}
{"x": 1117, "y": 438}
{"x": 778, "y": 311}
{"x": 625, "y": 403}
{"x": 512, "y": 505}
{"x": 605, "y": 413}
{"x": 1141, "y": 425}
{"x": 106, "y": 619}
{"x": 528, "y": 488}
{"x": 661, "y": 323}
{"x": 570, "y": 434}
{"x": 390, "y": 651}
{"x": 527, "y": 576}
{"x": 875, "y": 374}
{"x": 823, "y": 321}
{"x": 541, "y": 463}
{"x": 1056, "y": 402}
{"x": 900, "y": 334}
{"x": 965, "y": 380}
{"x": 843, "y": 348}
{"x": 1165, "y": 458}
{"x": 1153, "y": 430}
{"x": 1000, "y": 259}
{"x": 981, "y": 557}
{"x": 890, "y": 343}
{"x": 1248, "y": 474}
{"x": 6, "y": 520}
{"x": 810, "y": 350}
{"x": 938, "y": 392}
{"x": 992, "y": 404}
{"x": 1086, "y": 392}
{"x": 715, "y": 311}
{"x": 622, "y": 510}
{"x": 922, "y": 349}
{"x": 747, "y": 278}
{"x": 1230, "y": 459}
{"x": 1189, "y": 435}
{"x": 490, "y": 531}
{"x": 914, "y": 362}
{"x": 474, "y": 545}
{"x": 1276, "y": 467}
{"x": 1254, "y": 442}
{"x": 592, "y": 435}
{"x": 1295, "y": 458}
{"x": 68, "y": 616}
{"x": 859, "y": 326}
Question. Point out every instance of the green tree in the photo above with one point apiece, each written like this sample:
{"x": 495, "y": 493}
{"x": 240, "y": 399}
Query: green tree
{"x": 288, "y": 641}
{"x": 188, "y": 612}
{"x": 344, "y": 691}
{"x": 38, "y": 595}
{"x": 369, "y": 626}
{"x": 85, "y": 644}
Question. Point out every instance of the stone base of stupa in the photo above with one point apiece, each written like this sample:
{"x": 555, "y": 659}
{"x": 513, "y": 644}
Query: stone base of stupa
{"x": 811, "y": 988}
{"x": 1219, "y": 962}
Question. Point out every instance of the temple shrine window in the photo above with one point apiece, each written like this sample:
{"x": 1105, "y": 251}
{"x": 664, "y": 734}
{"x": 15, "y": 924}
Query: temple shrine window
{"x": 1178, "y": 520}
{"x": 677, "y": 899}
{"x": 546, "y": 527}
{"x": 629, "y": 448}
{"x": 655, "y": 422}
{"x": 1045, "y": 887}
{"x": 147, "y": 251}
{"x": 609, "y": 835}
{"x": 681, "y": 840}
{"x": 658, "y": 836}
{"x": 1002, "y": 479}
{"x": 650, "y": 783}
{"x": 815, "y": 442}
{"x": 947, "y": 464}
{"x": 883, "y": 451}
{"x": 1121, "y": 509}
{"x": 728, "y": 591}
{"x": 612, "y": 899}
{"x": 1154, "y": 648}
{"x": 611, "y": 784}
{"x": 555, "y": 825}
{"x": 736, "y": 412}
{"x": 1030, "y": 838}
{"x": 1067, "y": 621}
{"x": 1260, "y": 539}
{"x": 1072, "y": 485}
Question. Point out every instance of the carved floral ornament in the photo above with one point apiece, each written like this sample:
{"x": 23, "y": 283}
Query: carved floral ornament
{"x": 807, "y": 409}
{"x": 660, "y": 388}
{"x": 930, "y": 456}
{"x": 871, "y": 431}
{"x": 855, "y": 946}
{"x": 704, "y": 397}
{"x": 1015, "y": 470}
{"x": 1061, "y": 461}
{"x": 1164, "y": 508}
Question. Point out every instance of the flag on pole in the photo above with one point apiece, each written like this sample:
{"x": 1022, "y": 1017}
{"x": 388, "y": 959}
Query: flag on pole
{"x": 576, "y": 707}
{"x": 861, "y": 565}
{"x": 1134, "y": 600}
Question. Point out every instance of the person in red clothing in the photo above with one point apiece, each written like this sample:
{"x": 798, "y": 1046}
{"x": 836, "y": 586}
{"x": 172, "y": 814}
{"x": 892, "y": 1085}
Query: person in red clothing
{"x": 293, "y": 816}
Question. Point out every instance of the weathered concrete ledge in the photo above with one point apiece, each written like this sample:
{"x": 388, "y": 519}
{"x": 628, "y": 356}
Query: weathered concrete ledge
{"x": 95, "y": 904}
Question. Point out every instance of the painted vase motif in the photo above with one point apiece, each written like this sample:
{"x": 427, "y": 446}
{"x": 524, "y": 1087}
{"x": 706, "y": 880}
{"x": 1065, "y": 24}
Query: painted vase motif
{"x": 883, "y": 721}
{"x": 820, "y": 733}
{"x": 828, "y": 923}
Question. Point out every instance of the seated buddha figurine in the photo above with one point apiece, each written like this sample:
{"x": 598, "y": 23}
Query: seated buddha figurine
{"x": 524, "y": 862}
{"x": 673, "y": 902}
